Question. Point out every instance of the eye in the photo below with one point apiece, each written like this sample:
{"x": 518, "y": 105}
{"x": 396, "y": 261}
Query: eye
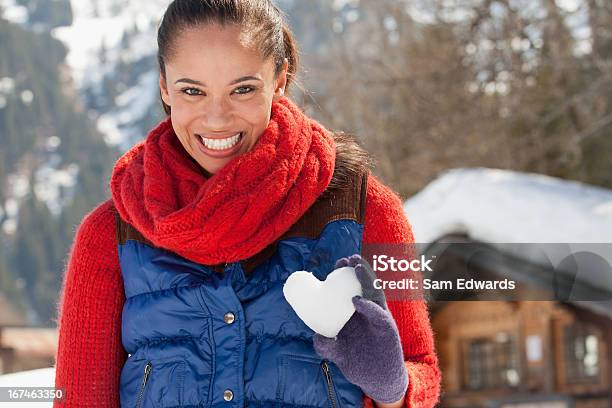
{"x": 243, "y": 90}
{"x": 191, "y": 91}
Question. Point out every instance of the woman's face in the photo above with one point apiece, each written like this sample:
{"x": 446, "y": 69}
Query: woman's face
{"x": 220, "y": 91}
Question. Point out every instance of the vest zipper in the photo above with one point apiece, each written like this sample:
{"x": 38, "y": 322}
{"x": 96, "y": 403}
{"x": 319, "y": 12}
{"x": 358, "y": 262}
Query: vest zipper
{"x": 145, "y": 378}
{"x": 330, "y": 383}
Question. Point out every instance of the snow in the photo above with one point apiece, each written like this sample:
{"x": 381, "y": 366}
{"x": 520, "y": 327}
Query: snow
{"x": 7, "y": 84}
{"x": 140, "y": 46}
{"x": 507, "y": 206}
{"x": 18, "y": 185}
{"x": 55, "y": 186}
{"x": 7, "y": 88}
{"x": 324, "y": 306}
{"x": 92, "y": 30}
{"x": 9, "y": 226}
{"x": 340, "y": 4}
{"x": 43, "y": 377}
{"x": 13, "y": 12}
{"x": 513, "y": 211}
{"x": 102, "y": 25}
{"x": 118, "y": 126}
{"x": 27, "y": 96}
{"x": 569, "y": 6}
{"x": 53, "y": 142}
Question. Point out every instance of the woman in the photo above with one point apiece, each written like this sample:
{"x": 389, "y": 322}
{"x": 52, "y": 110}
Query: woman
{"x": 173, "y": 291}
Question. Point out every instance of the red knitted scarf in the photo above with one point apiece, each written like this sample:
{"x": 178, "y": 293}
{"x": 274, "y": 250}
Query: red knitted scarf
{"x": 249, "y": 203}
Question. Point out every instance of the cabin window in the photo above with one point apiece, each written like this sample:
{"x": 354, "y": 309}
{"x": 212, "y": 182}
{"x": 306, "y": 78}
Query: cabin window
{"x": 582, "y": 357}
{"x": 491, "y": 362}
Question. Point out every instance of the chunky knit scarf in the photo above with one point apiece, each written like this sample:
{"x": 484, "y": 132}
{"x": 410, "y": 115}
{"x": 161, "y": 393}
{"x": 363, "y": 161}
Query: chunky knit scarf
{"x": 237, "y": 212}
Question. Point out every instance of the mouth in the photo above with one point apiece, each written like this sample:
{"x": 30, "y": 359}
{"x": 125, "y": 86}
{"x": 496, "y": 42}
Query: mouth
{"x": 221, "y": 143}
{"x": 220, "y": 147}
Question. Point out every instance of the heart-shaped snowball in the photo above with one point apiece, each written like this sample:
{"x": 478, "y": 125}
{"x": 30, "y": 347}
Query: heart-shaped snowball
{"x": 325, "y": 306}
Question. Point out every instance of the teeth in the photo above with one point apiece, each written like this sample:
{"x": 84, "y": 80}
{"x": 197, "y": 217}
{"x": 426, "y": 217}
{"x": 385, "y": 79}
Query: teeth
{"x": 220, "y": 144}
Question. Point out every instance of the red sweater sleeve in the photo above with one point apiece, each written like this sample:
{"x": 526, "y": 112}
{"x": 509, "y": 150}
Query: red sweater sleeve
{"x": 385, "y": 222}
{"x": 90, "y": 355}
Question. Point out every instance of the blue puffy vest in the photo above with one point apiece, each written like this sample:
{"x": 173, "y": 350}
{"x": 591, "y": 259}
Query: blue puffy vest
{"x": 224, "y": 335}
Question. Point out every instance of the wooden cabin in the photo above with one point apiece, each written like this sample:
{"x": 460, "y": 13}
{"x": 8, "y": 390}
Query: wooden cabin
{"x": 547, "y": 344}
{"x": 9, "y": 316}
{"x": 31, "y": 347}
{"x": 23, "y": 347}
{"x": 518, "y": 352}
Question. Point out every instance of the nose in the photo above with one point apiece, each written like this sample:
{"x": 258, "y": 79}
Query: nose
{"x": 217, "y": 114}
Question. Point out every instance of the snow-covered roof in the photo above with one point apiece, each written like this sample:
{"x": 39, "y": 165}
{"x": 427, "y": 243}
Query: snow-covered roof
{"x": 507, "y": 206}
{"x": 535, "y": 217}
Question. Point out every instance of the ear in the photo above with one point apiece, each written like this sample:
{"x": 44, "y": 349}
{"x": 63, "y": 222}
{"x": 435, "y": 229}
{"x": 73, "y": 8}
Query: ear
{"x": 164, "y": 90}
{"x": 281, "y": 82}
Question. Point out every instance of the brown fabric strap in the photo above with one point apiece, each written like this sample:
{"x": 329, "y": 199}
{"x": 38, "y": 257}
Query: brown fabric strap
{"x": 345, "y": 202}
{"x": 126, "y": 232}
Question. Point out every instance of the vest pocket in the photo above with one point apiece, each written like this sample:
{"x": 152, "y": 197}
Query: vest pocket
{"x": 160, "y": 383}
{"x": 331, "y": 392}
{"x": 306, "y": 380}
{"x": 143, "y": 385}
{"x": 156, "y": 377}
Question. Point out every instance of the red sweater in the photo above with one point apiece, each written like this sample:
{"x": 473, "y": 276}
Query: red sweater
{"x": 90, "y": 355}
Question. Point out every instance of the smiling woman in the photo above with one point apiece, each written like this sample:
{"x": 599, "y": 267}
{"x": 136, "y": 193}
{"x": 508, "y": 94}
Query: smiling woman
{"x": 219, "y": 96}
{"x": 173, "y": 295}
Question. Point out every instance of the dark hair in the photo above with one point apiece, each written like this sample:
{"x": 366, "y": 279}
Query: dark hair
{"x": 260, "y": 19}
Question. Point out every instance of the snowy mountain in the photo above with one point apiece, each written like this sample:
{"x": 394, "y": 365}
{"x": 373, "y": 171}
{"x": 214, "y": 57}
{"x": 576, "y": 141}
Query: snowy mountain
{"x": 53, "y": 162}
{"x": 112, "y": 56}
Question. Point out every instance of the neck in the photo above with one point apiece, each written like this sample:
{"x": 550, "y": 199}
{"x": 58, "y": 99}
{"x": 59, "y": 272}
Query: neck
{"x": 205, "y": 172}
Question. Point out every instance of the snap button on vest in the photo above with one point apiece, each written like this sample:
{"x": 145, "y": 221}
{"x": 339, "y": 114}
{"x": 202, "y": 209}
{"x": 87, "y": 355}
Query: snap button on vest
{"x": 229, "y": 318}
{"x": 228, "y": 395}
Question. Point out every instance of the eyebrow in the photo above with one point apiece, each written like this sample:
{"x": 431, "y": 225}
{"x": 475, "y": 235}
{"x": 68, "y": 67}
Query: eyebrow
{"x": 235, "y": 81}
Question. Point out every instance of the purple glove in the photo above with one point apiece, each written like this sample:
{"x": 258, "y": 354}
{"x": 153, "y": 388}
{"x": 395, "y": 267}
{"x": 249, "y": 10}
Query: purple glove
{"x": 367, "y": 349}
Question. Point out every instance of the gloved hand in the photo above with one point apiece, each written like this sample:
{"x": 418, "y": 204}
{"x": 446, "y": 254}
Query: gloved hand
{"x": 367, "y": 349}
